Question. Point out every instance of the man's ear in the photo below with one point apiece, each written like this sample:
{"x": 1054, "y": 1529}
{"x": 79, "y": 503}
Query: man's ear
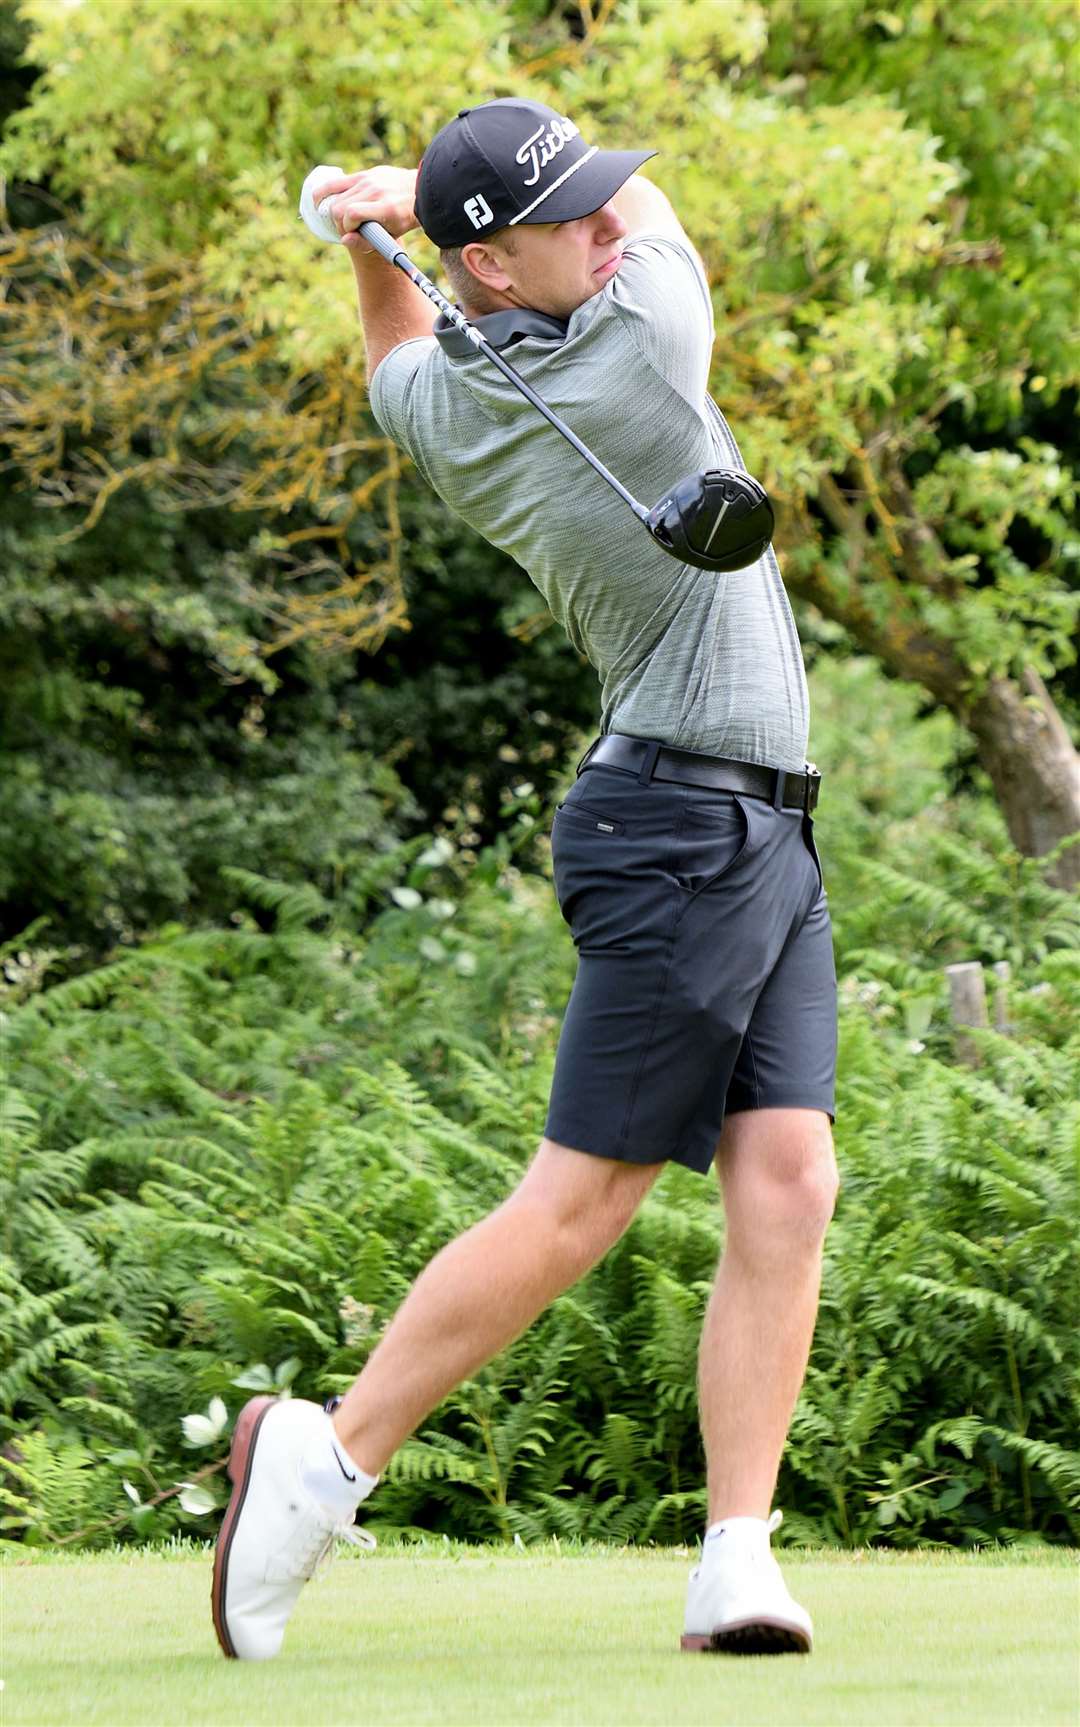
{"x": 486, "y": 265}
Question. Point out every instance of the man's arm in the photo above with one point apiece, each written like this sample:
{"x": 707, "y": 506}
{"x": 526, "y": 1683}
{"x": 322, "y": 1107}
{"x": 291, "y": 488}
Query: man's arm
{"x": 391, "y": 309}
{"x": 662, "y": 296}
{"x": 647, "y": 210}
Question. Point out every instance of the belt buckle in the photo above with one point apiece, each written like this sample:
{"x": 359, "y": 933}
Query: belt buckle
{"x": 813, "y": 785}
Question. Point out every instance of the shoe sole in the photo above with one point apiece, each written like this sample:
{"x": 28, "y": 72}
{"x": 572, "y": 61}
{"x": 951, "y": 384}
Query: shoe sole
{"x": 751, "y": 1637}
{"x": 241, "y": 1452}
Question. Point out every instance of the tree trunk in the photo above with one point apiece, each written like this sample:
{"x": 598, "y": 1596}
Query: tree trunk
{"x": 1023, "y": 743}
{"x": 1026, "y": 750}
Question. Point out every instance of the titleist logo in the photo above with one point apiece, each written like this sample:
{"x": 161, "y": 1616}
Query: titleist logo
{"x": 542, "y": 147}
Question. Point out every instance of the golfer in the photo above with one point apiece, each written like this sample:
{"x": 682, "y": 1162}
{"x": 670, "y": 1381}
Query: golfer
{"x": 701, "y": 1029}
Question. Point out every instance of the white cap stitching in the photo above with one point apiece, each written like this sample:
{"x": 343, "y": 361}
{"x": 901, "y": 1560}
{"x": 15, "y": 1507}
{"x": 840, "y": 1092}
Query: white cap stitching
{"x": 573, "y": 168}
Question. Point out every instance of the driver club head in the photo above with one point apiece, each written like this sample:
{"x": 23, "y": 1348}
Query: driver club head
{"x": 720, "y": 519}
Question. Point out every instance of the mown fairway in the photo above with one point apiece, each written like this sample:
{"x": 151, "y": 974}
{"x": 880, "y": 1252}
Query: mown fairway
{"x": 482, "y": 1637}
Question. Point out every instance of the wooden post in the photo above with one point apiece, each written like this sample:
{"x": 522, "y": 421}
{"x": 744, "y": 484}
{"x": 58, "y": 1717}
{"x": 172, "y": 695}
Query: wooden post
{"x": 967, "y": 996}
{"x": 1003, "y": 972}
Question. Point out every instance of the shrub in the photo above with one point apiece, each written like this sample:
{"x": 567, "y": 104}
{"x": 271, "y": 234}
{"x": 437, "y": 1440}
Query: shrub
{"x": 229, "y": 1153}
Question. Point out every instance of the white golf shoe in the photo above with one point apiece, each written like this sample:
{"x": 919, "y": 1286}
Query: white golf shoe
{"x": 274, "y": 1535}
{"x": 737, "y": 1602}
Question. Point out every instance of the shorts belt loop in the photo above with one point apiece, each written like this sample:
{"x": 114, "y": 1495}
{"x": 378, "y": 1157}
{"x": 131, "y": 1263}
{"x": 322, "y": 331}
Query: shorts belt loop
{"x": 778, "y": 798}
{"x": 648, "y": 766}
{"x": 585, "y": 757}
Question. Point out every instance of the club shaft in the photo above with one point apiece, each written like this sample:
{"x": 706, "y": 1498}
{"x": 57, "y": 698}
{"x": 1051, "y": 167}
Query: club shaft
{"x": 388, "y": 248}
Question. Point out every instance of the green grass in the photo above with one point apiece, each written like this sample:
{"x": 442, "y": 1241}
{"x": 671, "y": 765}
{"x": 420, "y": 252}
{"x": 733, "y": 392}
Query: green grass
{"x": 448, "y": 1635}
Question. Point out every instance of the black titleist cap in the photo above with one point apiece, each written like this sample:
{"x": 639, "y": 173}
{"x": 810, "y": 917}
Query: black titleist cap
{"x": 512, "y": 161}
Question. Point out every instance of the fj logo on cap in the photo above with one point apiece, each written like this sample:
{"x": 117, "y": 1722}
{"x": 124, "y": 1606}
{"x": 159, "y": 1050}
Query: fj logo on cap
{"x": 542, "y": 147}
{"x": 478, "y": 211}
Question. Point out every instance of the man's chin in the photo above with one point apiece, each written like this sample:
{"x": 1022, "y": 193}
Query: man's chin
{"x": 566, "y": 309}
{"x": 598, "y": 286}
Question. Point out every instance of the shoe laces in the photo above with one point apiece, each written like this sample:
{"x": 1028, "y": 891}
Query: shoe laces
{"x": 317, "y": 1552}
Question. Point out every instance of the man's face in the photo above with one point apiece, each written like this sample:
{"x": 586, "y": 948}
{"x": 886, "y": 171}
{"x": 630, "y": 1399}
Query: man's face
{"x": 555, "y": 266}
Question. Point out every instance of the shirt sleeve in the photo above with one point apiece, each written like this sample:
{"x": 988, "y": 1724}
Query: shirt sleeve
{"x": 391, "y": 383}
{"x": 662, "y": 298}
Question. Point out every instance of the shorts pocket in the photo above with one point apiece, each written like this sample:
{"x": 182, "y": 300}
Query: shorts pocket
{"x": 586, "y": 848}
{"x": 711, "y": 840}
{"x": 811, "y": 846}
{"x": 586, "y": 817}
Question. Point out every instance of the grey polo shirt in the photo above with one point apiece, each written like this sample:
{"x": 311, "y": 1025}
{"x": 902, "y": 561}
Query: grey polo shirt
{"x": 701, "y": 661}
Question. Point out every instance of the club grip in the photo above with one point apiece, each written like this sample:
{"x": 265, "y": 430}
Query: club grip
{"x": 385, "y": 244}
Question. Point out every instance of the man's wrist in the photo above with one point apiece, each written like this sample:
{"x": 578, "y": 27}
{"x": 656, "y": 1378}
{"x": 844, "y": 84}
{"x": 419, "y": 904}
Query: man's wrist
{"x": 368, "y": 264}
{"x": 406, "y": 220}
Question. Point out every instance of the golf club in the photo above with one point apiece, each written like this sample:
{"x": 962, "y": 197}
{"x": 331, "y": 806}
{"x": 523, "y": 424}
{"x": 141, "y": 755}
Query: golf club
{"x": 719, "y": 519}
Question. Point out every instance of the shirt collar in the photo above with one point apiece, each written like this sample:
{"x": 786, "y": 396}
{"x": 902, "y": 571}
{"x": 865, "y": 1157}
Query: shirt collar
{"x": 500, "y": 329}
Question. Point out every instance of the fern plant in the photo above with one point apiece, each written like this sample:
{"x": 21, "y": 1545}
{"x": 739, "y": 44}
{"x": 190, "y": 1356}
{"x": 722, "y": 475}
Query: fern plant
{"x": 227, "y": 1155}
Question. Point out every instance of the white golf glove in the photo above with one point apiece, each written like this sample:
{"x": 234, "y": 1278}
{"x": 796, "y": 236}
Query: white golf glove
{"x": 319, "y": 221}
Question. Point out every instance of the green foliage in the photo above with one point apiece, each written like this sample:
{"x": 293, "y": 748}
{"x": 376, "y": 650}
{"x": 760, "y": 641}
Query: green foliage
{"x": 226, "y": 1150}
{"x": 918, "y": 878}
{"x": 880, "y": 200}
{"x": 133, "y": 764}
{"x": 152, "y": 725}
{"x": 228, "y": 1155}
{"x": 952, "y": 1275}
{"x": 999, "y": 96}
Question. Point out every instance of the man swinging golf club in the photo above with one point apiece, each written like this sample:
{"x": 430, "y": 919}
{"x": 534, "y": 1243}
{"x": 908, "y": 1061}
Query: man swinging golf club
{"x": 701, "y": 1028}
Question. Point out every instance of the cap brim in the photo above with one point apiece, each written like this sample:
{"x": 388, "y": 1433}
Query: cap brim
{"x": 587, "y": 187}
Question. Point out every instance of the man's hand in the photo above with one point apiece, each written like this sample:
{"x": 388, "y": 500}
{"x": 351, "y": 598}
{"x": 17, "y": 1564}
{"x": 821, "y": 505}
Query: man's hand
{"x": 384, "y": 195}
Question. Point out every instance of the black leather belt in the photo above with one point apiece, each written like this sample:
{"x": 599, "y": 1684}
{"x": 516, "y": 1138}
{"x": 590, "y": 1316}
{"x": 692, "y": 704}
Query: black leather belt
{"x": 650, "y": 760}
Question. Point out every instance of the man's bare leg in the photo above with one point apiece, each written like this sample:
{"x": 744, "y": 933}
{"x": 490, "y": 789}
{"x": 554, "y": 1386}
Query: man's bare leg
{"x": 778, "y": 1174}
{"x": 483, "y": 1290}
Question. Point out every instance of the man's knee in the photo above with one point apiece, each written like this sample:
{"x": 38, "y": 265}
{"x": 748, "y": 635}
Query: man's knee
{"x": 779, "y": 1177}
{"x": 588, "y": 1201}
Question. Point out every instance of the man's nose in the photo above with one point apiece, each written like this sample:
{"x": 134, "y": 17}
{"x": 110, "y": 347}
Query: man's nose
{"x": 609, "y": 224}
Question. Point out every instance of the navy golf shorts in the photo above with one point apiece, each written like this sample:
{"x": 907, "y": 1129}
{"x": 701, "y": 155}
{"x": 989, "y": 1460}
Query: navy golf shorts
{"x": 706, "y": 981}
